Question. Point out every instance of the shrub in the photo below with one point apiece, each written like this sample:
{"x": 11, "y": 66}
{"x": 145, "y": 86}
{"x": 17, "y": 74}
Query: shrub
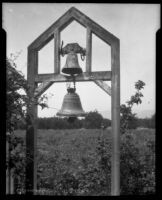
{"x": 93, "y": 176}
{"x": 137, "y": 166}
{"x": 17, "y": 102}
{"x": 93, "y": 120}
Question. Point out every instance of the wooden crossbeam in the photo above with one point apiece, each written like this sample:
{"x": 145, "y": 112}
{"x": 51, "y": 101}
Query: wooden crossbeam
{"x": 91, "y": 76}
{"x": 103, "y": 86}
{"x": 42, "y": 88}
{"x": 85, "y": 76}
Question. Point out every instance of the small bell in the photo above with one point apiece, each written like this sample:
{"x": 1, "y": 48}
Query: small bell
{"x": 72, "y": 66}
{"x": 71, "y": 106}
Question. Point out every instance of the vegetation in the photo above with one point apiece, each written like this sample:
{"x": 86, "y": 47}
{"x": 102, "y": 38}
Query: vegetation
{"x": 128, "y": 119}
{"x": 60, "y": 123}
{"x": 78, "y": 161}
{"x": 17, "y": 102}
{"x": 146, "y": 123}
{"x": 15, "y": 110}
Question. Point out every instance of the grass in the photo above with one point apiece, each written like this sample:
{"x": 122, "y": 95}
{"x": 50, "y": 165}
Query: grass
{"x": 72, "y": 149}
{"x": 78, "y": 144}
{"x": 75, "y": 144}
{"x": 80, "y": 139}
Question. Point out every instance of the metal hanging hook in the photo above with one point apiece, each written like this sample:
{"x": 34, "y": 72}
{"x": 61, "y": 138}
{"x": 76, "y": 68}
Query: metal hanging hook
{"x": 74, "y": 82}
{"x": 61, "y": 49}
{"x": 82, "y": 56}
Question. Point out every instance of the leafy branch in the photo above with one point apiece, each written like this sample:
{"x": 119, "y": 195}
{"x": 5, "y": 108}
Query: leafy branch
{"x": 127, "y": 117}
{"x": 18, "y": 100}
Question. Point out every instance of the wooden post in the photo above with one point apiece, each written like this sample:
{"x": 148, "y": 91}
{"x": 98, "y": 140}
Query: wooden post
{"x": 88, "y": 50}
{"x": 9, "y": 172}
{"x": 56, "y": 51}
{"x": 115, "y": 119}
{"x": 31, "y": 133}
{"x": 47, "y": 79}
{"x": 8, "y": 169}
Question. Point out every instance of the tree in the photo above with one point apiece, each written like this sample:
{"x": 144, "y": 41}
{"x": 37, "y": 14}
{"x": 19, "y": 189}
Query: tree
{"x": 17, "y": 102}
{"x": 93, "y": 120}
{"x": 106, "y": 122}
{"x": 128, "y": 119}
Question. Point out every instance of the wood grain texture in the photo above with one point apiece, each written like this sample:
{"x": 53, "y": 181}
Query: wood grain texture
{"x": 104, "y": 86}
{"x": 31, "y": 131}
{"x": 98, "y": 30}
{"x": 98, "y": 77}
{"x": 85, "y": 76}
{"x": 42, "y": 88}
{"x": 88, "y": 50}
{"x": 57, "y": 51}
{"x": 65, "y": 20}
{"x": 48, "y": 34}
{"x": 115, "y": 118}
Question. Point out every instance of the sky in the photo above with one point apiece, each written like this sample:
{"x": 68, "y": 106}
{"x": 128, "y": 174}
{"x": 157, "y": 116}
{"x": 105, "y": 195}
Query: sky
{"x": 134, "y": 24}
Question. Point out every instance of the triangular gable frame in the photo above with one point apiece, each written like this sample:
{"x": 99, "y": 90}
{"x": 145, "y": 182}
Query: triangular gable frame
{"x": 71, "y": 15}
{"x": 47, "y": 80}
{"x": 54, "y": 30}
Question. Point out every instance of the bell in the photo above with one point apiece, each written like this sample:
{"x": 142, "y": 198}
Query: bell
{"x": 71, "y": 106}
{"x": 72, "y": 66}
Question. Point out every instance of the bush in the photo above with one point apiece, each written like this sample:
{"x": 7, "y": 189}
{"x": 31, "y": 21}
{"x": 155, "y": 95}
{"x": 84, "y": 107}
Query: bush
{"x": 93, "y": 176}
{"x": 136, "y": 167}
{"x": 93, "y": 120}
{"x": 147, "y": 122}
{"x": 17, "y": 104}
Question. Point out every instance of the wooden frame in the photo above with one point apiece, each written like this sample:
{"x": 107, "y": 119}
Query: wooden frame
{"x": 47, "y": 80}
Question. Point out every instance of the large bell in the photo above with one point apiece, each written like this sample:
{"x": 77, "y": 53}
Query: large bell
{"x": 72, "y": 66}
{"x": 71, "y": 106}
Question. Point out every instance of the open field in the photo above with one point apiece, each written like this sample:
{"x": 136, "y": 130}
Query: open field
{"x": 73, "y": 152}
{"x": 75, "y": 140}
{"x": 80, "y": 142}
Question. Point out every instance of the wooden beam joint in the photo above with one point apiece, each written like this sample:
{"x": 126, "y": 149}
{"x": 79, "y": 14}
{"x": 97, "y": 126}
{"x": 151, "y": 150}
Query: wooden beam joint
{"x": 42, "y": 88}
{"x": 103, "y": 86}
